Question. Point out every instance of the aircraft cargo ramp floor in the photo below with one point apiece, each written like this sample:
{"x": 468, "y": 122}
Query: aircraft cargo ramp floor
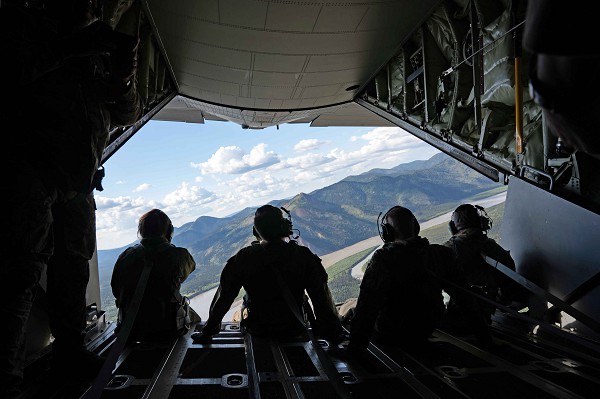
{"x": 237, "y": 365}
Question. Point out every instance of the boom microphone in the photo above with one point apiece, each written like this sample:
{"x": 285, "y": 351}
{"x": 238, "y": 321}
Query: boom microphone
{"x": 289, "y": 215}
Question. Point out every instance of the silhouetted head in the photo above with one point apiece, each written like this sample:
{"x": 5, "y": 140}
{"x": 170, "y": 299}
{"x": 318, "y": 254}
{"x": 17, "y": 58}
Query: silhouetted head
{"x": 155, "y": 223}
{"x": 399, "y": 223}
{"x": 269, "y": 223}
{"x": 464, "y": 217}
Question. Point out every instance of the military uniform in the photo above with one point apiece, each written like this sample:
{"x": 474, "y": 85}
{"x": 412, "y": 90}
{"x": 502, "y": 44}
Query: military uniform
{"x": 268, "y": 312}
{"x": 468, "y": 245}
{"x": 57, "y": 115}
{"x": 400, "y": 300}
{"x": 171, "y": 266}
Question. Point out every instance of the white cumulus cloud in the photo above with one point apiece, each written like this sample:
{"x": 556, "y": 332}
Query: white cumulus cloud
{"x": 234, "y": 160}
{"x": 380, "y": 147}
{"x": 142, "y": 187}
{"x": 252, "y": 187}
{"x": 309, "y": 144}
{"x": 117, "y": 219}
{"x": 309, "y": 160}
{"x": 186, "y": 196}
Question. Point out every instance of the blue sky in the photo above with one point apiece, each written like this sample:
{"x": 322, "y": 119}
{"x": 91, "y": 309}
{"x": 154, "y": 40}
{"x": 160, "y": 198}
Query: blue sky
{"x": 218, "y": 168}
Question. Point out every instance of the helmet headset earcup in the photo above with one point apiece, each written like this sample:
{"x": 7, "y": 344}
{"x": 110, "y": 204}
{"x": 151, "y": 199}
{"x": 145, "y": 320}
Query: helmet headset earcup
{"x": 469, "y": 216}
{"x": 171, "y": 231}
{"x": 485, "y": 221}
{"x": 387, "y": 231}
{"x": 387, "y": 234}
{"x": 452, "y": 227}
{"x": 271, "y": 227}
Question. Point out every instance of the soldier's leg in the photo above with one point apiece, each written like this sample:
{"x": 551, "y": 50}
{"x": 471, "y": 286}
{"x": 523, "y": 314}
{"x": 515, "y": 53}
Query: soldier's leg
{"x": 68, "y": 270}
{"x": 68, "y": 275}
{"x": 26, "y": 244}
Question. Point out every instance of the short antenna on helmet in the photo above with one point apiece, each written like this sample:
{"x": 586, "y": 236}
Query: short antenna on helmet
{"x": 289, "y": 215}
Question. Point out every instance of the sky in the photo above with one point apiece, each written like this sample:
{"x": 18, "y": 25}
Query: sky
{"x": 218, "y": 168}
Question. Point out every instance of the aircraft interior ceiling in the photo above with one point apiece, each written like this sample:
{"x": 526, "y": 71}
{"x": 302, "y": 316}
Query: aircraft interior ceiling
{"x": 261, "y": 64}
{"x": 279, "y": 56}
{"x": 413, "y": 64}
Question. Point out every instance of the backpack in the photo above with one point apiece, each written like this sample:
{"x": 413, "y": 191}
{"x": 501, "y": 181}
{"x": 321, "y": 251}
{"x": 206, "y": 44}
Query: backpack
{"x": 183, "y": 319}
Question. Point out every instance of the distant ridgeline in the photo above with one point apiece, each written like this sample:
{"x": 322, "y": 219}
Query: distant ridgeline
{"x": 329, "y": 219}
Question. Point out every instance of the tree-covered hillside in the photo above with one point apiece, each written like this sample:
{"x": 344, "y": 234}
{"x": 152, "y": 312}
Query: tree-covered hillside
{"x": 329, "y": 219}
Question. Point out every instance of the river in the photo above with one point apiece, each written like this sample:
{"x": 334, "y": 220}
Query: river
{"x": 201, "y": 304}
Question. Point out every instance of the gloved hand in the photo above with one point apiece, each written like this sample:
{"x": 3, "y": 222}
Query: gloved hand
{"x": 206, "y": 334}
{"x": 97, "y": 179}
{"x": 201, "y": 338}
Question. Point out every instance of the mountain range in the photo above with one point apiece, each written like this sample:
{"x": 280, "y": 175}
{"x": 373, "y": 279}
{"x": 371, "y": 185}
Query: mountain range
{"x": 329, "y": 218}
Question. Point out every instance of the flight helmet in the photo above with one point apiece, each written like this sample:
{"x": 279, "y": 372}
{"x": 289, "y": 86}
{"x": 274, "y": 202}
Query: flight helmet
{"x": 398, "y": 222}
{"x": 270, "y": 224}
{"x": 469, "y": 216}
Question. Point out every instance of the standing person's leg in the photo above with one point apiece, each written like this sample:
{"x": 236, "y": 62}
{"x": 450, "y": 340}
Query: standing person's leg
{"x": 68, "y": 275}
{"x": 26, "y": 244}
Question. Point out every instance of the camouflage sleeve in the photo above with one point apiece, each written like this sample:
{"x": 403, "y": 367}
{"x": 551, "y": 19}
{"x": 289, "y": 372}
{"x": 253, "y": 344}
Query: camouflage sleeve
{"x": 229, "y": 287}
{"x": 373, "y": 290}
{"x": 127, "y": 107}
{"x": 328, "y": 322}
{"x": 187, "y": 264}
